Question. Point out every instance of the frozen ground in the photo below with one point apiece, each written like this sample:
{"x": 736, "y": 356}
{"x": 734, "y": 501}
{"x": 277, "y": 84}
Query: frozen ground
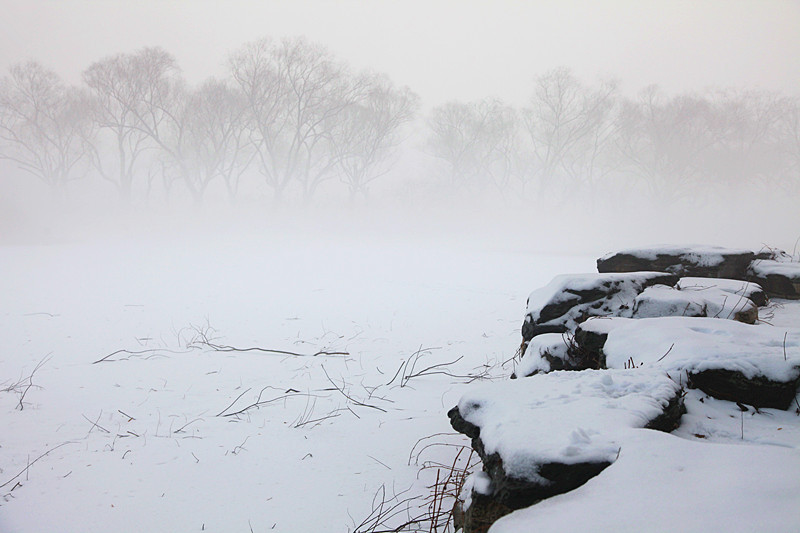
{"x": 148, "y": 439}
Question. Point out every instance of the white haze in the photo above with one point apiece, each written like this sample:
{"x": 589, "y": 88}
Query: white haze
{"x": 444, "y": 51}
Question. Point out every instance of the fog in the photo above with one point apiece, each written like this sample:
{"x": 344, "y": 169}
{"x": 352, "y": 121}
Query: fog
{"x": 538, "y": 127}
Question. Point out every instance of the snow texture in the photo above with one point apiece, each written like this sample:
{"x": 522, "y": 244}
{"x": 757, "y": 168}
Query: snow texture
{"x": 748, "y": 289}
{"x": 168, "y": 462}
{"x": 698, "y": 344}
{"x": 563, "y": 417}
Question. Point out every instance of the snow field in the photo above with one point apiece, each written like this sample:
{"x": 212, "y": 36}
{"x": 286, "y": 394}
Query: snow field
{"x": 142, "y": 447}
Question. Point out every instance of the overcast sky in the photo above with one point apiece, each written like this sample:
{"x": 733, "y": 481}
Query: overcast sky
{"x": 442, "y": 49}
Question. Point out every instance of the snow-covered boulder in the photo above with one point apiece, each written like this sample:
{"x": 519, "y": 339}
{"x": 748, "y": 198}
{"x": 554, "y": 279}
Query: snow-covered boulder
{"x": 554, "y": 351}
{"x": 779, "y": 278}
{"x": 661, "y": 300}
{"x": 664, "y": 483}
{"x": 701, "y": 261}
{"x": 748, "y": 289}
{"x": 569, "y": 299}
{"x": 757, "y": 365}
{"x": 550, "y": 433}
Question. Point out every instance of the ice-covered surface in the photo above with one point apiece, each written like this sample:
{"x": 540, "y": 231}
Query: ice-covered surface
{"x": 697, "y": 344}
{"x": 701, "y": 255}
{"x": 563, "y": 417}
{"x": 552, "y": 344}
{"x": 615, "y": 294}
{"x": 660, "y": 300}
{"x": 662, "y": 483}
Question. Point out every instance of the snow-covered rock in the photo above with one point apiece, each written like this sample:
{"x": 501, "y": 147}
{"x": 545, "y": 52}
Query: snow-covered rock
{"x": 569, "y": 299}
{"x": 779, "y": 278}
{"x": 661, "y": 300}
{"x": 753, "y": 364}
{"x": 663, "y": 483}
{"x": 554, "y": 351}
{"x": 695, "y": 260}
{"x": 549, "y": 433}
{"x": 748, "y": 289}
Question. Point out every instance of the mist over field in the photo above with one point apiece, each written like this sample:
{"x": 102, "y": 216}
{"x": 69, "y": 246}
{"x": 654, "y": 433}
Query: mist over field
{"x": 252, "y": 252}
{"x": 557, "y": 139}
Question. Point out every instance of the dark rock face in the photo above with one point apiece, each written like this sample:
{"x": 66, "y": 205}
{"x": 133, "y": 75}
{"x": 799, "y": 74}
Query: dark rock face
{"x": 670, "y": 419}
{"x": 590, "y": 343}
{"x": 780, "y": 286}
{"x": 557, "y": 478}
{"x": 480, "y": 516}
{"x": 758, "y": 296}
{"x": 757, "y": 391}
{"x": 682, "y": 261}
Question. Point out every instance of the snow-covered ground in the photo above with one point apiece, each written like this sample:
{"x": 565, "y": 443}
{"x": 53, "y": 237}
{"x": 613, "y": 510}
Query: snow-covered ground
{"x": 164, "y": 433}
{"x": 140, "y": 441}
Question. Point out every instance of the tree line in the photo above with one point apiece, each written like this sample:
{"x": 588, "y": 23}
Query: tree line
{"x": 289, "y": 116}
{"x": 573, "y": 138}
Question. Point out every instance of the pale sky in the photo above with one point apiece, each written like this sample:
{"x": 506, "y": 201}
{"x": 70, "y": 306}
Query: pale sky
{"x": 443, "y": 50}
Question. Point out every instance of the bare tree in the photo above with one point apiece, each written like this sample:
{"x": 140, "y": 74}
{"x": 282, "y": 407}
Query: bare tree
{"x": 368, "y": 131}
{"x": 134, "y": 97}
{"x": 295, "y": 93}
{"x": 42, "y": 124}
{"x": 747, "y": 138}
{"x": 663, "y": 141}
{"x": 789, "y": 135}
{"x": 204, "y": 138}
{"x": 477, "y": 141}
{"x": 218, "y": 135}
{"x": 568, "y": 126}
